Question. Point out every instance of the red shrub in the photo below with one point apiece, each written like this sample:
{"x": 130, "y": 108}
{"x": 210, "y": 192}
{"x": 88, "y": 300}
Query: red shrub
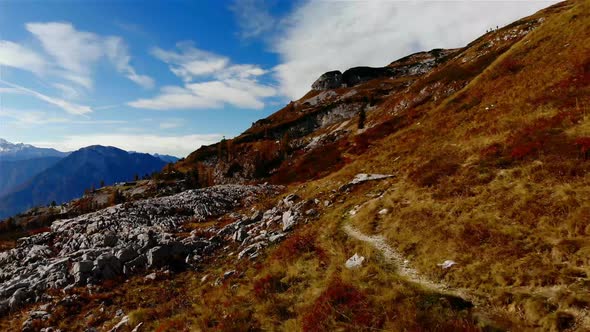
{"x": 493, "y": 150}
{"x": 511, "y": 65}
{"x": 584, "y": 144}
{"x": 341, "y": 302}
{"x": 298, "y": 244}
{"x": 540, "y": 135}
{"x": 525, "y": 149}
{"x": 269, "y": 285}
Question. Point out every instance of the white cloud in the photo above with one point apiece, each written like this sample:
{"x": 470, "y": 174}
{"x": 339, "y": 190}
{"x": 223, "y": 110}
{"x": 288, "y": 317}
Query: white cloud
{"x": 29, "y": 118}
{"x": 69, "y": 107}
{"x": 175, "y": 145}
{"x": 18, "y": 56}
{"x": 171, "y": 124}
{"x": 327, "y": 35}
{"x": 209, "y": 82}
{"x": 67, "y": 91}
{"x": 24, "y": 118}
{"x": 191, "y": 62}
{"x": 75, "y": 52}
{"x": 117, "y": 51}
{"x": 211, "y": 94}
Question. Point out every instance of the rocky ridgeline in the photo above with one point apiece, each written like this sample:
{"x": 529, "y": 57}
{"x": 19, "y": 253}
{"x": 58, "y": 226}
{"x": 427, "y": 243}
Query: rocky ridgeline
{"x": 121, "y": 240}
{"x": 412, "y": 65}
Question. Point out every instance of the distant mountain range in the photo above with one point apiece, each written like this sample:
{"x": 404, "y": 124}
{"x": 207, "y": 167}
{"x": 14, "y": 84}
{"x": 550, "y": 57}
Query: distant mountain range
{"x": 26, "y": 183}
{"x": 16, "y": 172}
{"x": 20, "y": 151}
{"x": 167, "y": 158}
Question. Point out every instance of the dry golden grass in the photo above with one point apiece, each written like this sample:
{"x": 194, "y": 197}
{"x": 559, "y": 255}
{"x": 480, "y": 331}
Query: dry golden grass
{"x": 518, "y": 225}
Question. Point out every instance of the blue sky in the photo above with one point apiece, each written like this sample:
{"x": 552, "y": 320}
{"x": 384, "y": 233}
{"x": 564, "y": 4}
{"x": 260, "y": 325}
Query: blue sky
{"x": 169, "y": 76}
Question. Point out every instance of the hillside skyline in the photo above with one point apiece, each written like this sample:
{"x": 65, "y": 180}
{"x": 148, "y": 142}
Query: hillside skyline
{"x": 170, "y": 83}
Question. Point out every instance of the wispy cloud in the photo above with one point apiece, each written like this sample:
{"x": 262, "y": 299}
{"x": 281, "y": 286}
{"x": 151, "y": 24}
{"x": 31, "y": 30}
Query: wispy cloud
{"x": 210, "y": 81}
{"x": 18, "y": 56}
{"x": 23, "y": 118}
{"x": 191, "y": 62}
{"x": 253, "y": 17}
{"x": 69, "y": 107}
{"x": 75, "y": 52}
{"x": 174, "y": 145}
{"x": 171, "y": 124}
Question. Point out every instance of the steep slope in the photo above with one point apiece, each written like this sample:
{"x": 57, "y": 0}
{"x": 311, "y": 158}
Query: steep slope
{"x": 14, "y": 173}
{"x": 21, "y": 151}
{"x": 81, "y": 170}
{"x": 486, "y": 155}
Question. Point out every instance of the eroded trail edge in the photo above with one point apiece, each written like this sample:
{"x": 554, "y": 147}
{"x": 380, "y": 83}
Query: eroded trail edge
{"x": 403, "y": 267}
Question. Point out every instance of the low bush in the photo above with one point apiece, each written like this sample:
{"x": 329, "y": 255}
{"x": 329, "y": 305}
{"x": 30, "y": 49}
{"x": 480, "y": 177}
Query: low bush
{"x": 341, "y": 303}
{"x": 298, "y": 244}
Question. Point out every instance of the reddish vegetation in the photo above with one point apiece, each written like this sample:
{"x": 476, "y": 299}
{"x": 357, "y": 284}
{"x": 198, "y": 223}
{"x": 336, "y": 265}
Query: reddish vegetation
{"x": 543, "y": 134}
{"x": 493, "y": 150}
{"x": 584, "y": 144}
{"x": 310, "y": 165}
{"x": 377, "y": 132}
{"x": 511, "y": 65}
{"x": 442, "y": 165}
{"x": 571, "y": 90}
{"x": 268, "y": 285}
{"x": 298, "y": 244}
{"x": 343, "y": 303}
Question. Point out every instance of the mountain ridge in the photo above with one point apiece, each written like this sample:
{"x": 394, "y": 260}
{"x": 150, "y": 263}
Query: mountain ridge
{"x": 83, "y": 169}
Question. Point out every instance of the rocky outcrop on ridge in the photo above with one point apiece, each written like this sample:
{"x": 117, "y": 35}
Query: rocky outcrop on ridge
{"x": 412, "y": 65}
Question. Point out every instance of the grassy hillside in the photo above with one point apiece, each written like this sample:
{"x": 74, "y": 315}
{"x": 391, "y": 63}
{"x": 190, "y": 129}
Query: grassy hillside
{"x": 489, "y": 153}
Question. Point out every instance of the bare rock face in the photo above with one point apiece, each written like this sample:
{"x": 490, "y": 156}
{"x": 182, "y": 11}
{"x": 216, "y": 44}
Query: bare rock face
{"x": 329, "y": 80}
{"x": 356, "y": 75}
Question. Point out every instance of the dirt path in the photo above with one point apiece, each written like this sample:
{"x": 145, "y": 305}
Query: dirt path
{"x": 403, "y": 267}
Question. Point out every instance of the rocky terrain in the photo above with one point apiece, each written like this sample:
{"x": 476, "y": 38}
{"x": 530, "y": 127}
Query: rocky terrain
{"x": 131, "y": 237}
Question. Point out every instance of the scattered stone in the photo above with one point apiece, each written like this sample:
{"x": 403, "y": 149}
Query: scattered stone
{"x": 240, "y": 235}
{"x": 383, "y": 211}
{"x": 136, "y": 329}
{"x": 288, "y": 220}
{"x": 151, "y": 276}
{"x": 228, "y": 274}
{"x": 126, "y": 254}
{"x": 354, "y": 262}
{"x": 362, "y": 177}
{"x": 120, "y": 324}
{"x": 204, "y": 278}
{"x": 447, "y": 264}
{"x": 276, "y": 237}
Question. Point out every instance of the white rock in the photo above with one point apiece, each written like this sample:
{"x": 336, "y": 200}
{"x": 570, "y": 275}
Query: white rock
{"x": 447, "y": 264}
{"x": 383, "y": 211}
{"x": 354, "y": 262}
{"x": 120, "y": 324}
{"x": 288, "y": 220}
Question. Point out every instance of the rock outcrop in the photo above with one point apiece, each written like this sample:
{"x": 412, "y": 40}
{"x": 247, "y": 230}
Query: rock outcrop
{"x": 328, "y": 81}
{"x": 118, "y": 240}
